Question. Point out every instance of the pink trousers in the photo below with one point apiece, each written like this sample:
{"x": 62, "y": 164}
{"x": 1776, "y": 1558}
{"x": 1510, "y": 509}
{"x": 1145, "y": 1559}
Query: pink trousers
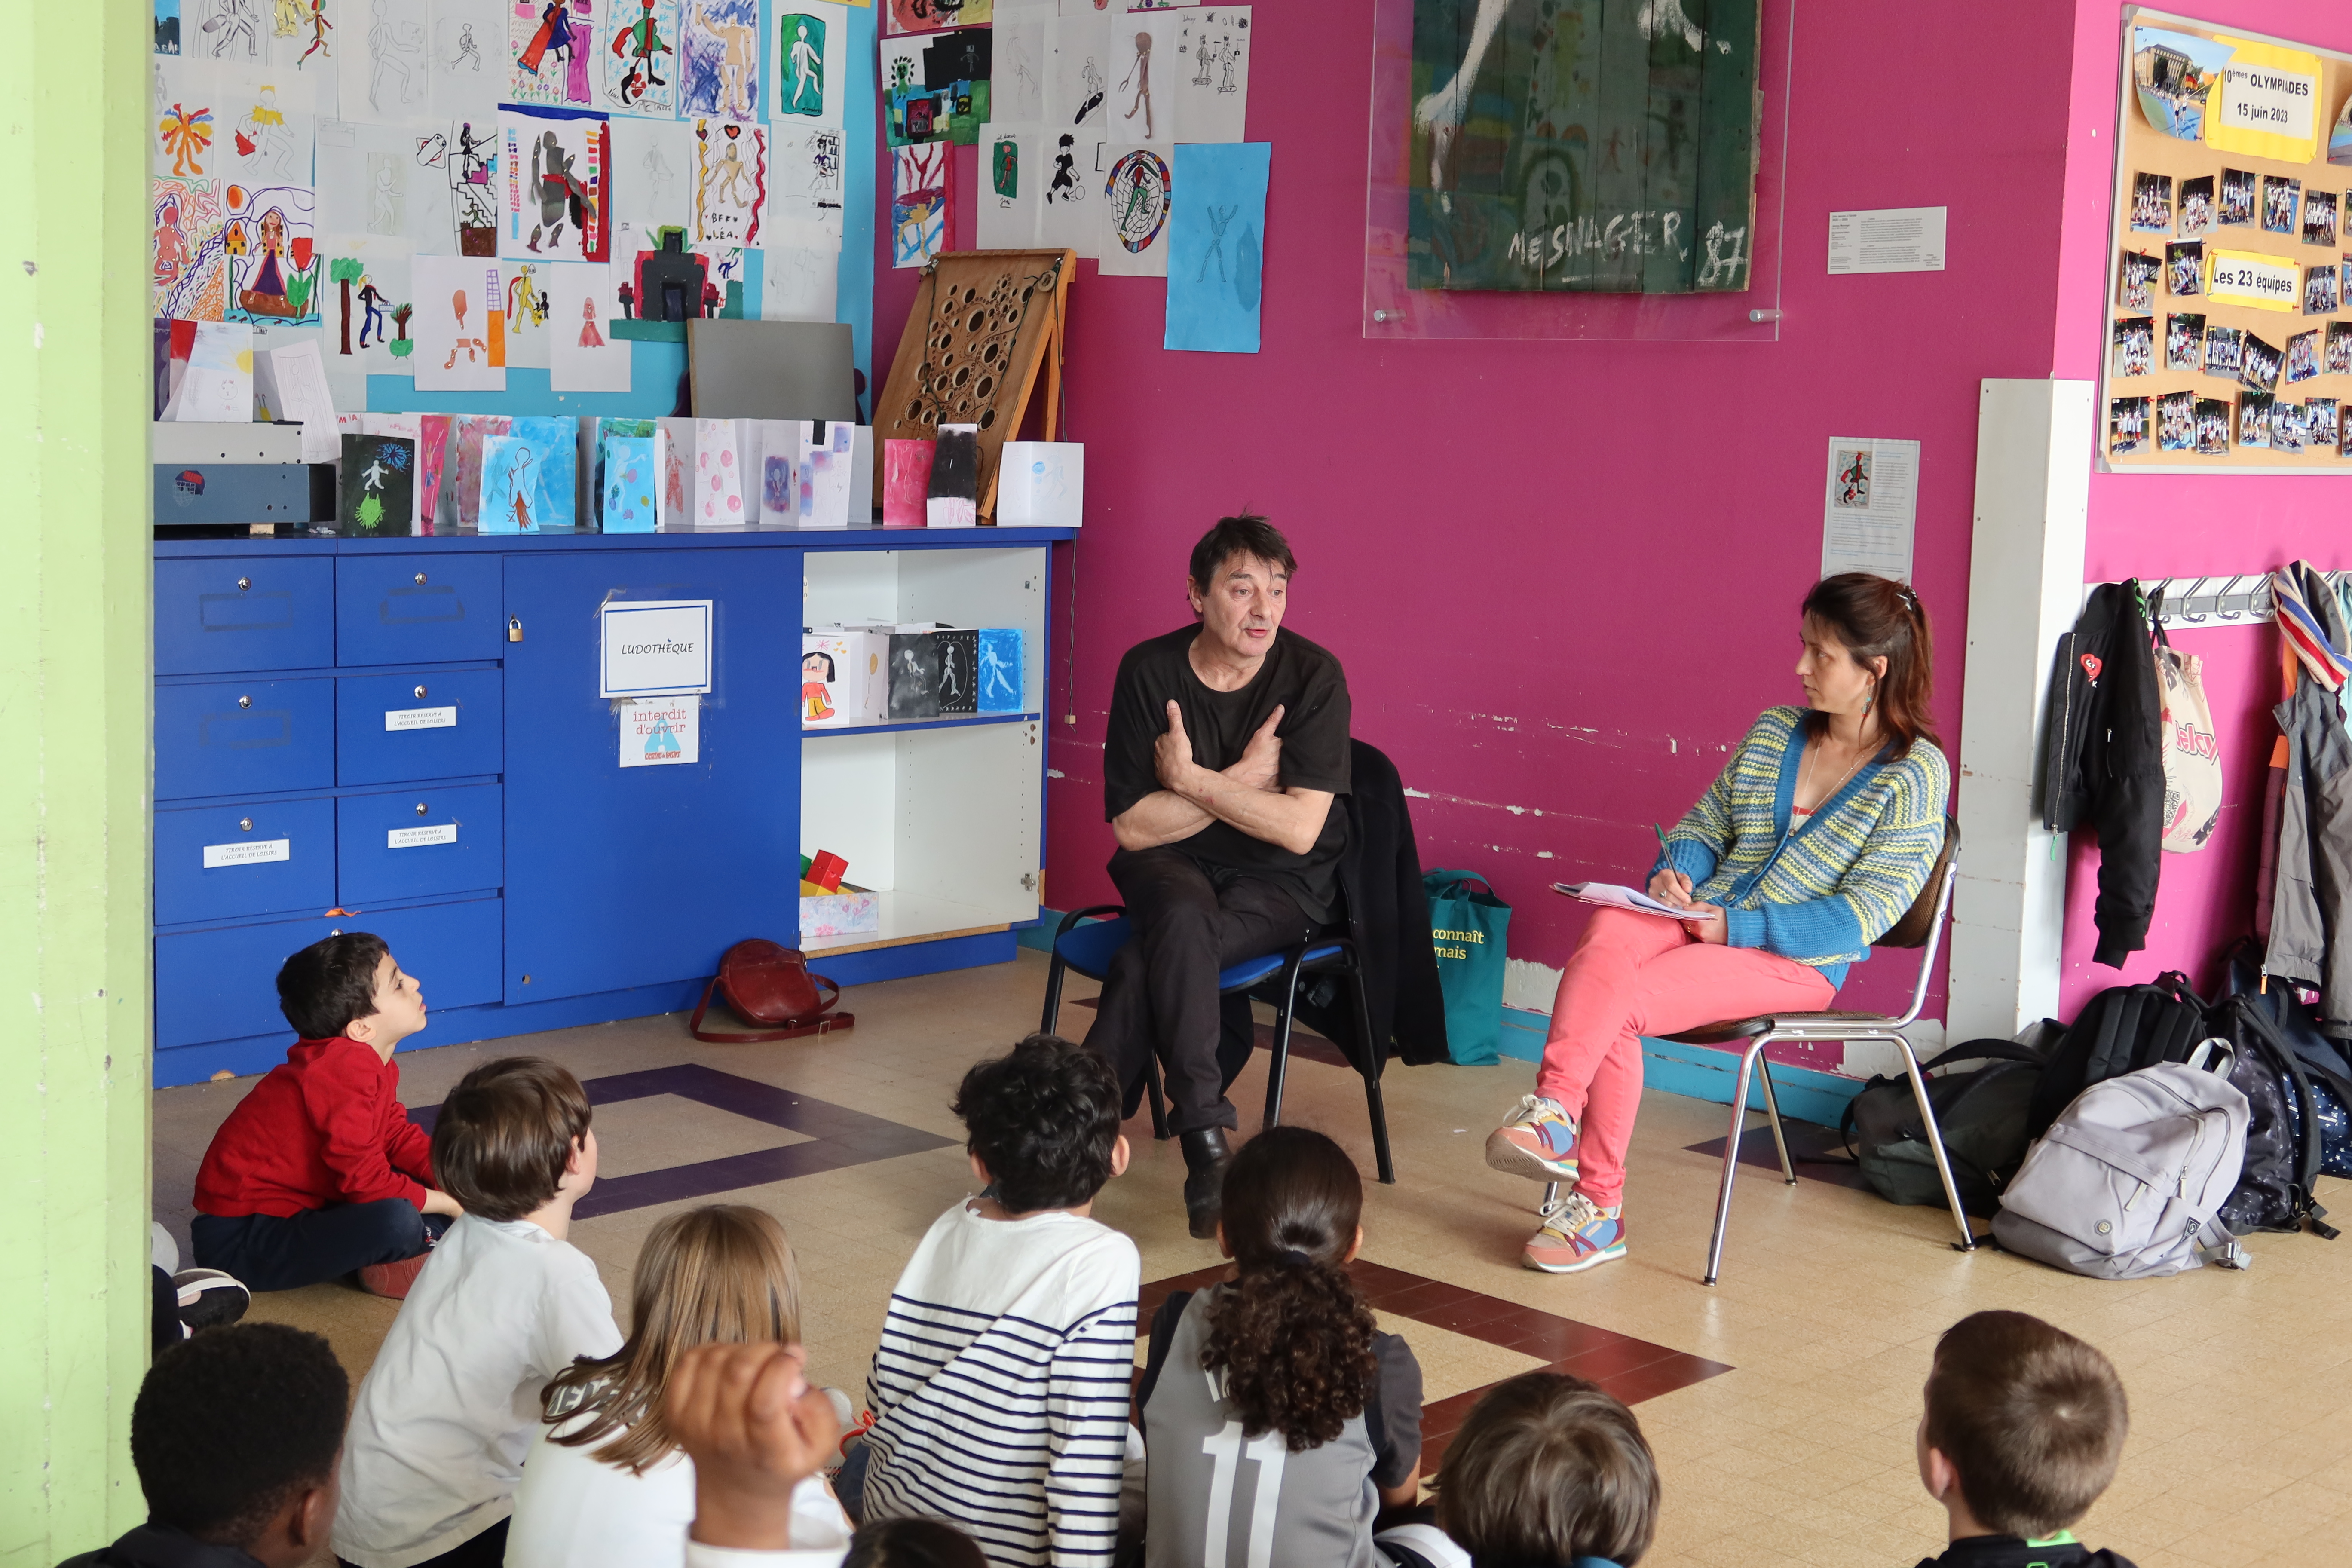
{"x": 1636, "y": 975}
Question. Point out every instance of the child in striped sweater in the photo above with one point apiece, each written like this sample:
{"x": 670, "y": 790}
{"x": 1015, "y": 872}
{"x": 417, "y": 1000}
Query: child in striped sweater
{"x": 1000, "y": 1390}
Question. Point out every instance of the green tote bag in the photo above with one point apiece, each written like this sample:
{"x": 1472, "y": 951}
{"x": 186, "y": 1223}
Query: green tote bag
{"x": 1468, "y": 924}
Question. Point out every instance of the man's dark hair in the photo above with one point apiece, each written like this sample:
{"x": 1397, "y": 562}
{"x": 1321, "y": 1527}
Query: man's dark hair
{"x": 504, "y": 1134}
{"x": 2032, "y": 1418}
{"x": 1247, "y": 535}
{"x": 231, "y": 1424}
{"x": 1043, "y": 1119}
{"x": 1548, "y": 1468}
{"x": 913, "y": 1543}
{"x": 330, "y": 983}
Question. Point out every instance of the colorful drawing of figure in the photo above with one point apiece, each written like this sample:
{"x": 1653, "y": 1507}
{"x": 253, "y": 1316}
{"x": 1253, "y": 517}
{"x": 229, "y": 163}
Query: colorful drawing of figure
{"x": 729, "y": 174}
{"x": 320, "y": 28}
{"x": 1004, "y": 168}
{"x": 553, "y": 38}
{"x": 804, "y": 61}
{"x": 1140, "y": 73}
{"x": 816, "y": 677}
{"x": 187, "y": 133}
{"x": 993, "y": 674}
{"x": 637, "y": 44}
{"x": 264, "y": 130}
{"x": 590, "y": 337}
{"x": 372, "y": 301}
{"x": 170, "y": 246}
{"x": 458, "y": 304}
{"x": 518, "y": 482}
{"x": 738, "y": 60}
{"x": 525, "y": 299}
{"x": 266, "y": 293}
{"x": 562, "y": 194}
{"x": 286, "y": 18}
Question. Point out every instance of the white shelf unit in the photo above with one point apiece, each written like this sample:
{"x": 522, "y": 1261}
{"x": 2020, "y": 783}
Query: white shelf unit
{"x": 945, "y": 822}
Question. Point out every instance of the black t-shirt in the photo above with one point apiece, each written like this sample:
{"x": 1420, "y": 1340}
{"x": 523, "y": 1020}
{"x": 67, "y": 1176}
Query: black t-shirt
{"x": 1302, "y": 679}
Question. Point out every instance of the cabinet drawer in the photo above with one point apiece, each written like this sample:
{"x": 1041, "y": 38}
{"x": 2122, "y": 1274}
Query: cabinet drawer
{"x": 263, "y": 613}
{"x": 223, "y": 985}
{"x": 421, "y": 724}
{"x": 243, "y": 737}
{"x": 410, "y": 609}
{"x": 222, "y": 862}
{"x": 419, "y": 843}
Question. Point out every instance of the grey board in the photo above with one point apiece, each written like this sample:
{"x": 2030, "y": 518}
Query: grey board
{"x": 771, "y": 369}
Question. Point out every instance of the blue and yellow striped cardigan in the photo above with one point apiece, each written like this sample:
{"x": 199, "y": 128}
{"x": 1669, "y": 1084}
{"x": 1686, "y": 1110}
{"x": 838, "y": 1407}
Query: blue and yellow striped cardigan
{"x": 1824, "y": 894}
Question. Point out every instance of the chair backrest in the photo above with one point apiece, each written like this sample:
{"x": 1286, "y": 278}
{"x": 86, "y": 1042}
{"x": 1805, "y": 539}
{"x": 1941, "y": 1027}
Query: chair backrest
{"x": 1918, "y": 923}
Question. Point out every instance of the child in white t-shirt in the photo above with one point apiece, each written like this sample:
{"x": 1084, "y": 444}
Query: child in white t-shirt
{"x": 445, "y": 1416}
{"x": 606, "y": 1485}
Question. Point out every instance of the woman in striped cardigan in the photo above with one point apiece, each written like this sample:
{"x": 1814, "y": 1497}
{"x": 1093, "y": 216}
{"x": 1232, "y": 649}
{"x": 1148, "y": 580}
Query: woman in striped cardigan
{"x": 1810, "y": 844}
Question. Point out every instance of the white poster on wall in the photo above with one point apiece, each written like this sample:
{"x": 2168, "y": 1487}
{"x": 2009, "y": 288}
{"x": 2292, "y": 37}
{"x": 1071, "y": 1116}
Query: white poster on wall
{"x": 1871, "y": 508}
{"x": 655, "y": 648}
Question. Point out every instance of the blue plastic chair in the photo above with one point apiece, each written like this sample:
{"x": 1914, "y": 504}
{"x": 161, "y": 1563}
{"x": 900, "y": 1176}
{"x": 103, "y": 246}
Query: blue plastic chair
{"x": 1088, "y": 939}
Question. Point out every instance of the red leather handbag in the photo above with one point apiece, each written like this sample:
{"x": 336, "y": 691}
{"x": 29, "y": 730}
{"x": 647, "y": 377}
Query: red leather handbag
{"x": 769, "y": 987}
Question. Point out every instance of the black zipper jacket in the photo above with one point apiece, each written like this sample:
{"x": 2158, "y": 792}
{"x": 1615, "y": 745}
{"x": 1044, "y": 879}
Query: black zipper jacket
{"x": 2012, "y": 1552}
{"x": 2104, "y": 763}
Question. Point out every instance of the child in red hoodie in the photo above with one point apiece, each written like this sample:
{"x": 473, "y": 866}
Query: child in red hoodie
{"x": 318, "y": 1171}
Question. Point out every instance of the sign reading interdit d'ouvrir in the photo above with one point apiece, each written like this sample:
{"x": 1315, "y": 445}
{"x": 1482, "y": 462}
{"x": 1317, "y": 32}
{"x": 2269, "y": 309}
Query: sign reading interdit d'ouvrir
{"x": 655, "y": 648}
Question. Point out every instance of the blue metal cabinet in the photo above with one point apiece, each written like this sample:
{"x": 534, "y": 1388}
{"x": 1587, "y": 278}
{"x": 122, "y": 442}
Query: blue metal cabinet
{"x": 621, "y": 876}
{"x": 223, "y": 985}
{"x": 414, "y": 609}
{"x": 418, "y": 724}
{"x": 223, "y": 862}
{"x": 418, "y": 843}
{"x": 243, "y": 737}
{"x": 268, "y": 612}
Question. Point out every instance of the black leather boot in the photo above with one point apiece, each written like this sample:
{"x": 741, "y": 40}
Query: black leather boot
{"x": 1206, "y": 1155}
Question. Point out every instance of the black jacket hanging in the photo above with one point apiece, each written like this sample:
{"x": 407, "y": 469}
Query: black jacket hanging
{"x": 2105, "y": 765}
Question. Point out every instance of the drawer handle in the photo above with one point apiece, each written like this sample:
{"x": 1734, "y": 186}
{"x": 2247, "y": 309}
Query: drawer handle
{"x": 421, "y": 809}
{"x": 244, "y": 702}
{"x": 244, "y": 584}
{"x": 420, "y": 691}
{"x": 245, "y": 825}
{"x": 420, "y": 579}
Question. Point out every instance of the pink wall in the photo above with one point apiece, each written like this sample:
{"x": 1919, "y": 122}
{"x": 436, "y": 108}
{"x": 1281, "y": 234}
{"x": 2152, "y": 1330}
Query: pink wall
{"x": 1563, "y": 576}
{"x": 2160, "y": 525}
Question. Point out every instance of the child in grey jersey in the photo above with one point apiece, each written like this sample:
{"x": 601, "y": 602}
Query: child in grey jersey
{"x": 1278, "y": 1421}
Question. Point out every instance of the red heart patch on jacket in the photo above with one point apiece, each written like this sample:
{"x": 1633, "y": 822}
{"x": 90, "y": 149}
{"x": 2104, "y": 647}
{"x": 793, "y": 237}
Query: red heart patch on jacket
{"x": 2091, "y": 665}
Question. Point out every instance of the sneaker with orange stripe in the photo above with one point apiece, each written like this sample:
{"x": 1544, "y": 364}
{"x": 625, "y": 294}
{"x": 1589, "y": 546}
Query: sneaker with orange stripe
{"x": 1578, "y": 1234}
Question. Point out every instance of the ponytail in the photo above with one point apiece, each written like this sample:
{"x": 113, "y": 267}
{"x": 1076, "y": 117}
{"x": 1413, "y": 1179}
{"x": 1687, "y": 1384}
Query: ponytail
{"x": 1292, "y": 1334}
{"x": 1877, "y": 618}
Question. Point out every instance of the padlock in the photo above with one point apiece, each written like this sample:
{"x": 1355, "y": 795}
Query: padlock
{"x": 514, "y": 628}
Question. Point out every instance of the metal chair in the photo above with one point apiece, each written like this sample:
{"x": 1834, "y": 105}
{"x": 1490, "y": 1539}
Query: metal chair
{"x": 1088, "y": 939}
{"x": 1922, "y": 927}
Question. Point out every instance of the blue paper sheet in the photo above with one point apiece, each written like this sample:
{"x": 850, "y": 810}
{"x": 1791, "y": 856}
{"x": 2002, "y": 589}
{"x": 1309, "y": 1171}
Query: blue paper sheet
{"x": 1216, "y": 243}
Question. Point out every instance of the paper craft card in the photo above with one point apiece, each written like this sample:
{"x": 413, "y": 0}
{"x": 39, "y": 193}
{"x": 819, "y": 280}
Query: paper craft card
{"x": 375, "y": 486}
{"x": 718, "y": 496}
{"x": 1217, "y": 254}
{"x": 460, "y": 503}
{"x": 632, "y": 488}
{"x": 826, "y": 473}
{"x": 217, "y": 387}
{"x": 952, "y": 498}
{"x": 530, "y": 477}
{"x": 1041, "y": 484}
{"x": 1134, "y": 211}
{"x": 997, "y": 672}
{"x": 779, "y": 473}
{"x": 1212, "y": 75}
{"x": 409, "y": 427}
{"x": 906, "y": 481}
{"x": 677, "y": 467}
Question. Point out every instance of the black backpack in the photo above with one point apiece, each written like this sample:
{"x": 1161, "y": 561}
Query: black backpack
{"x": 2282, "y": 1129}
{"x": 2120, "y": 1030}
{"x": 1980, "y": 1114}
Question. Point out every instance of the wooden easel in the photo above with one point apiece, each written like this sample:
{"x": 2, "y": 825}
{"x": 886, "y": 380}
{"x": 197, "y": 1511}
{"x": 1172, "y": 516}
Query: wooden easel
{"x": 984, "y": 322}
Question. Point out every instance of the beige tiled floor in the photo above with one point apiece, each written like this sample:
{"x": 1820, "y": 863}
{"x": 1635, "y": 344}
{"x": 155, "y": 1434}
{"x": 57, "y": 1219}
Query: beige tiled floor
{"x": 1829, "y": 1306}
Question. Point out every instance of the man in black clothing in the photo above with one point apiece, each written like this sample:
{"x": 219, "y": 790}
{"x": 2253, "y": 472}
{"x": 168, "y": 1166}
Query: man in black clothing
{"x": 235, "y": 1436}
{"x": 1227, "y": 746}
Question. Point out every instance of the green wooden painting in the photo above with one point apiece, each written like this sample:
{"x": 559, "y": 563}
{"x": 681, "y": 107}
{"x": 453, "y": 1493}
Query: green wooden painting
{"x": 1605, "y": 146}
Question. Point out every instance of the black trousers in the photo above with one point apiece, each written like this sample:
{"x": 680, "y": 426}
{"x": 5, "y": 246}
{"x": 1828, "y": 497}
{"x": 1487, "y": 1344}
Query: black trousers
{"x": 267, "y": 1253}
{"x": 1162, "y": 997}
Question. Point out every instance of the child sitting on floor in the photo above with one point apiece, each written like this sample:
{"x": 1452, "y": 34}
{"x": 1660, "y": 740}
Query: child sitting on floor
{"x": 606, "y": 1485}
{"x": 2023, "y": 1427}
{"x": 445, "y": 1416}
{"x": 234, "y": 1435}
{"x": 319, "y": 1172}
{"x": 1000, "y": 1390}
{"x": 1283, "y": 1368}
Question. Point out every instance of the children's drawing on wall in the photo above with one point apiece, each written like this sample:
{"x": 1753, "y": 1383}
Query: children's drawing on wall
{"x": 1135, "y": 214}
{"x": 510, "y": 484}
{"x": 551, "y": 41}
{"x": 582, "y": 357}
{"x": 167, "y": 27}
{"x": 1011, "y": 201}
{"x": 641, "y": 57}
{"x": 1076, "y": 79}
{"x": 918, "y": 204}
{"x": 230, "y": 30}
{"x": 731, "y": 182}
{"x": 806, "y": 207}
{"x": 467, "y": 57}
{"x": 467, "y": 157}
{"x": 1136, "y": 85}
{"x": 387, "y": 194}
{"x": 558, "y": 174}
{"x": 719, "y": 64}
{"x": 190, "y": 281}
{"x": 388, "y": 75}
{"x": 2173, "y": 73}
{"x": 456, "y": 296}
{"x": 800, "y": 63}
{"x": 185, "y": 139}
{"x": 1215, "y": 255}
{"x": 1018, "y": 75}
{"x": 799, "y": 283}
{"x": 318, "y": 50}
{"x": 933, "y": 16}
{"x": 273, "y": 266}
{"x": 1212, "y": 72}
{"x": 653, "y": 165}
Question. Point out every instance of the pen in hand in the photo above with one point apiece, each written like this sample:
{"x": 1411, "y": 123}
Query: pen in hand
{"x": 1665, "y": 852}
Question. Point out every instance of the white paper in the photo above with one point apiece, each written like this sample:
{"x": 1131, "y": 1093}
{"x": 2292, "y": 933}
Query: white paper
{"x": 655, "y": 648}
{"x": 1131, "y": 209}
{"x": 247, "y": 852}
{"x": 655, "y": 731}
{"x": 1078, "y": 85}
{"x": 218, "y": 387}
{"x": 1072, "y": 195}
{"x": 653, "y": 178}
{"x": 417, "y": 838}
{"x": 798, "y": 284}
{"x": 1871, "y": 507}
{"x": 453, "y": 349}
{"x": 469, "y": 69}
{"x": 1889, "y": 239}
{"x": 397, "y": 719}
{"x": 806, "y": 194}
{"x": 583, "y": 354}
{"x": 1623, "y": 897}
{"x": 1211, "y": 73}
{"x": 1019, "y": 64}
{"x": 386, "y": 60}
{"x": 302, "y": 394}
{"x": 1010, "y": 182}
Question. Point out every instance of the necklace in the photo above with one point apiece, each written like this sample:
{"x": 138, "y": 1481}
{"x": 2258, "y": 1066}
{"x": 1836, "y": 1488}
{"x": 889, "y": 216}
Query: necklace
{"x": 1805, "y": 767}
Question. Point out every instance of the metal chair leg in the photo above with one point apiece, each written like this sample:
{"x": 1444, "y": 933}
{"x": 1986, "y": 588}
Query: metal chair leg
{"x": 1968, "y": 1242}
{"x": 1550, "y": 1200}
{"x": 1772, "y": 1114}
{"x": 1154, "y": 1097}
{"x": 1053, "y": 1013}
{"x": 1374, "y": 1062}
{"x": 1731, "y": 1157}
{"x": 1277, "y": 1069}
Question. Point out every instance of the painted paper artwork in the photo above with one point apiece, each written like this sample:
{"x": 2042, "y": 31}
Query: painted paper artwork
{"x": 937, "y": 87}
{"x": 918, "y": 204}
{"x": 1216, "y": 252}
{"x": 367, "y": 308}
{"x": 549, "y": 47}
{"x": 314, "y": 41}
{"x": 529, "y": 475}
{"x": 731, "y": 182}
{"x": 632, "y": 483}
{"x": 184, "y": 123}
{"x": 1142, "y": 50}
{"x": 459, "y": 330}
{"x": 1211, "y": 75}
{"x": 906, "y": 481}
{"x": 273, "y": 268}
{"x": 1040, "y": 484}
{"x": 719, "y": 63}
{"x": 1134, "y": 214}
{"x": 375, "y": 487}
{"x": 190, "y": 279}
{"x": 718, "y": 498}
{"x": 640, "y": 56}
{"x": 525, "y": 312}
{"x": 779, "y": 481}
{"x": 459, "y": 504}
{"x": 1538, "y": 160}
{"x": 800, "y": 85}
{"x": 558, "y": 171}
{"x": 386, "y": 68}
{"x": 932, "y": 16}
{"x": 952, "y": 493}
{"x": 1012, "y": 184}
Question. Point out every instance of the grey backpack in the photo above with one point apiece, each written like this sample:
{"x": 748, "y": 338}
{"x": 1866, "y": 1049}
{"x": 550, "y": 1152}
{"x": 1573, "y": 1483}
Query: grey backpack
{"x": 2127, "y": 1182}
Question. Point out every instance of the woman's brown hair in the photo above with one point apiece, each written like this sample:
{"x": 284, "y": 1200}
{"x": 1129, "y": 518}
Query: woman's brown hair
{"x": 1875, "y": 617}
{"x": 722, "y": 1274}
{"x": 1548, "y": 1468}
{"x": 1292, "y": 1333}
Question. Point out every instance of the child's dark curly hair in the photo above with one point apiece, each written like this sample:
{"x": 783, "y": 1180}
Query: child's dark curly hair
{"x": 1044, "y": 1121}
{"x": 1292, "y": 1333}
